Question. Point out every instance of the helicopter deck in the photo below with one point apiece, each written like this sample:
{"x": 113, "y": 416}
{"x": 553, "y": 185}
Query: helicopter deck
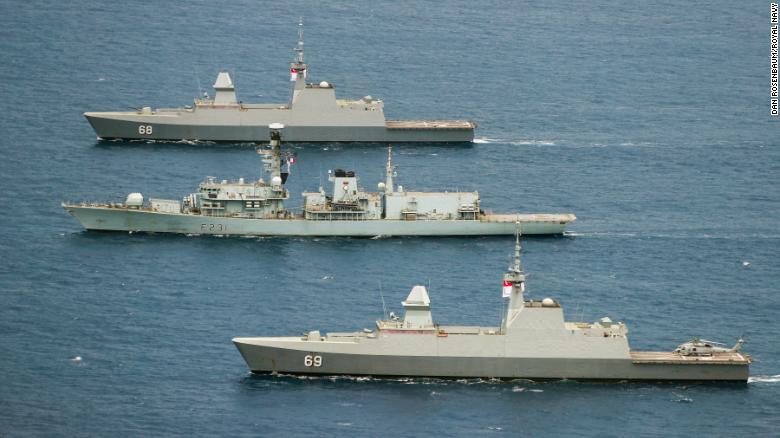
{"x": 430, "y": 124}
{"x": 661, "y": 357}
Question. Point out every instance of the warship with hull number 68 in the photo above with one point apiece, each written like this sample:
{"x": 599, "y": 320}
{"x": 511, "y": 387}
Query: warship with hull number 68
{"x": 313, "y": 114}
{"x": 532, "y": 342}
{"x": 257, "y": 208}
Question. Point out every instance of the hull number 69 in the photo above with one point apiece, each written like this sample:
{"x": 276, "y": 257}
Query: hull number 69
{"x": 312, "y": 361}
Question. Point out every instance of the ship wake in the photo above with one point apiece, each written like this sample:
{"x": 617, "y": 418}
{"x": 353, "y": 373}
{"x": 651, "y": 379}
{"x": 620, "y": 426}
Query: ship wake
{"x": 764, "y": 379}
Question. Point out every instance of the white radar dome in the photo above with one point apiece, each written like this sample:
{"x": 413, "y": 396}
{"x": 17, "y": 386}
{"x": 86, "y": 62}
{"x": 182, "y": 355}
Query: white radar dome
{"x": 276, "y": 181}
{"x": 368, "y": 99}
{"x": 548, "y": 302}
{"x": 381, "y": 186}
{"x": 135, "y": 200}
{"x": 324, "y": 84}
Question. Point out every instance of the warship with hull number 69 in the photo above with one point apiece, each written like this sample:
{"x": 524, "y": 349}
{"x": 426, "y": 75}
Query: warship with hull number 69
{"x": 313, "y": 114}
{"x": 532, "y": 342}
{"x": 257, "y": 208}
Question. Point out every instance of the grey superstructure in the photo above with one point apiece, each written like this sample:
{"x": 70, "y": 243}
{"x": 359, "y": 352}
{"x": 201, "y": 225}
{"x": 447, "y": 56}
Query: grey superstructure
{"x": 257, "y": 208}
{"x": 533, "y": 341}
{"x": 313, "y": 114}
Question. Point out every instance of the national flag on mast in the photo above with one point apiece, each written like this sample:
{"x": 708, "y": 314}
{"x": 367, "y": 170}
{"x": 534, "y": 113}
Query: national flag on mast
{"x": 294, "y": 73}
{"x": 506, "y": 292}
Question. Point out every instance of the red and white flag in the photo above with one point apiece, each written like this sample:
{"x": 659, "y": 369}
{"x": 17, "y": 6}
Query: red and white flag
{"x": 293, "y": 74}
{"x": 506, "y": 292}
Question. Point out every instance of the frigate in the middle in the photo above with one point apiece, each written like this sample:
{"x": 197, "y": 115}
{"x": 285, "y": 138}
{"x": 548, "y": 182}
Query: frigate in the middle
{"x": 257, "y": 208}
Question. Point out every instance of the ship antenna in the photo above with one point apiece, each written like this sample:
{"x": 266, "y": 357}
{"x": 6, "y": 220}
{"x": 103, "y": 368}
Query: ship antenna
{"x": 382, "y": 296}
{"x": 299, "y": 49}
{"x": 197, "y": 80}
{"x": 516, "y": 267}
{"x": 389, "y": 170}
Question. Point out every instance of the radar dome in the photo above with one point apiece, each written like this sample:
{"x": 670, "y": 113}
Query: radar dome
{"x": 324, "y": 84}
{"x": 548, "y": 302}
{"x": 368, "y": 99}
{"x": 276, "y": 181}
{"x": 381, "y": 186}
{"x": 135, "y": 200}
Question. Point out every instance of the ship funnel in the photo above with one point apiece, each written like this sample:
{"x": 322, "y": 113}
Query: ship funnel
{"x": 225, "y": 91}
{"x": 417, "y": 309}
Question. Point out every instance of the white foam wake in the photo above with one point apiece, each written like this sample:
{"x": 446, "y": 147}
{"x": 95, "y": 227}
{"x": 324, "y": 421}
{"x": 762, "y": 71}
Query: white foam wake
{"x": 483, "y": 140}
{"x": 764, "y": 379}
{"x": 533, "y": 142}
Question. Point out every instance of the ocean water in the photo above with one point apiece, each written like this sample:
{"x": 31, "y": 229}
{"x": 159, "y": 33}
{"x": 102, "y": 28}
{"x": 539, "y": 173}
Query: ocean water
{"x": 649, "y": 120}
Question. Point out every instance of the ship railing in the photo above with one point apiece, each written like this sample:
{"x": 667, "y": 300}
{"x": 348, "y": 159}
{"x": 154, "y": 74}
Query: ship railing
{"x": 94, "y": 204}
{"x": 111, "y": 205}
{"x": 243, "y": 215}
{"x": 316, "y": 215}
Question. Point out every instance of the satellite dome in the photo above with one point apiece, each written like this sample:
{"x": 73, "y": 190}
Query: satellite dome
{"x": 276, "y": 181}
{"x": 324, "y": 84}
{"x": 135, "y": 200}
{"x": 381, "y": 186}
{"x": 548, "y": 302}
{"x": 368, "y": 99}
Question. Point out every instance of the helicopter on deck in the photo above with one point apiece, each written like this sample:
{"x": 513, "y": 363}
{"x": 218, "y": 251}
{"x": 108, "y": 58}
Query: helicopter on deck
{"x": 703, "y": 347}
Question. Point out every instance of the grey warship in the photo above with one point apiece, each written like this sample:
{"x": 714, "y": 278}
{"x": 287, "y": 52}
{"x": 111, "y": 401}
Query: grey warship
{"x": 532, "y": 342}
{"x": 246, "y": 207}
{"x": 313, "y": 114}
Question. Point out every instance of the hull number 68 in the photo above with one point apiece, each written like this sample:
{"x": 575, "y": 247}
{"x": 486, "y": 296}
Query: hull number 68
{"x": 145, "y": 129}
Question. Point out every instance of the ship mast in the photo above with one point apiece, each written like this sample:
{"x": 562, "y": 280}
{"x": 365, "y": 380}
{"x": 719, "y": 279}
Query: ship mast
{"x": 389, "y": 168}
{"x": 299, "y": 50}
{"x": 514, "y": 276}
{"x": 272, "y": 159}
{"x": 298, "y": 68}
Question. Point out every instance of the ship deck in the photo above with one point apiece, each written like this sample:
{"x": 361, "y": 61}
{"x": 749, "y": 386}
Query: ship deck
{"x": 662, "y": 357}
{"x": 430, "y": 124}
{"x": 538, "y": 217}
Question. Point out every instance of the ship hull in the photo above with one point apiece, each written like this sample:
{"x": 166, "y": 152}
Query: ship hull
{"x": 124, "y": 219}
{"x": 174, "y": 127}
{"x": 268, "y": 359}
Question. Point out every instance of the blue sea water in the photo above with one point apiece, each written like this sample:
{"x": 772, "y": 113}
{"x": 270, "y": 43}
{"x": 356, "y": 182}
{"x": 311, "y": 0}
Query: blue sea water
{"x": 649, "y": 120}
